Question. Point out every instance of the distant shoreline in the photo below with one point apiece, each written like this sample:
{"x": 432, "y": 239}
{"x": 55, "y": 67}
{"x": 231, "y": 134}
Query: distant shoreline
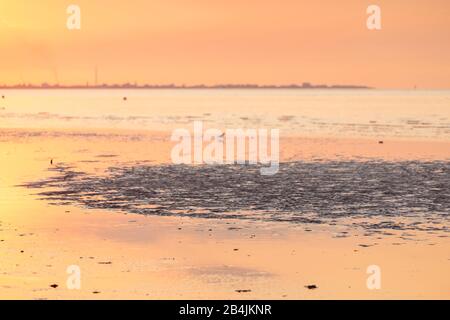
{"x": 170, "y": 86}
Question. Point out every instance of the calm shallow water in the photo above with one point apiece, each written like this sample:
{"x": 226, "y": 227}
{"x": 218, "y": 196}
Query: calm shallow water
{"x": 353, "y": 113}
{"x": 317, "y": 192}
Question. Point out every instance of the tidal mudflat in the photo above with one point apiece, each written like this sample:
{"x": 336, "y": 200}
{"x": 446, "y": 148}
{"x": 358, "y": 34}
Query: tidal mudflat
{"x": 140, "y": 227}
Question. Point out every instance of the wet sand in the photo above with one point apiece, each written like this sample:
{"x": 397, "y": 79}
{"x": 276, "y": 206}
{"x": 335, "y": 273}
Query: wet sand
{"x": 136, "y": 256}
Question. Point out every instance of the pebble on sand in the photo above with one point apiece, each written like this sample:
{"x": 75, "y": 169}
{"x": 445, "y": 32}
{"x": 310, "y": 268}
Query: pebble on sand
{"x": 311, "y": 286}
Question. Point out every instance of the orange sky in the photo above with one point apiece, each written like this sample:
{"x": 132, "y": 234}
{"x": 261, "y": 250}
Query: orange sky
{"x": 227, "y": 41}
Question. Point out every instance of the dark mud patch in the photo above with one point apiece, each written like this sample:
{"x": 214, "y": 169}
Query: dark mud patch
{"x": 301, "y": 192}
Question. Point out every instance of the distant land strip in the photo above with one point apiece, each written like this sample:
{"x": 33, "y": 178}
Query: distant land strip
{"x": 305, "y": 85}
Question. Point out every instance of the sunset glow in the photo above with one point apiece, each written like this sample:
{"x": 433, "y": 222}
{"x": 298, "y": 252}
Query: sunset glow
{"x": 213, "y": 42}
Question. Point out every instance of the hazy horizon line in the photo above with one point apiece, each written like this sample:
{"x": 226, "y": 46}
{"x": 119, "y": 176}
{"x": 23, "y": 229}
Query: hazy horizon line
{"x": 128, "y": 85}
